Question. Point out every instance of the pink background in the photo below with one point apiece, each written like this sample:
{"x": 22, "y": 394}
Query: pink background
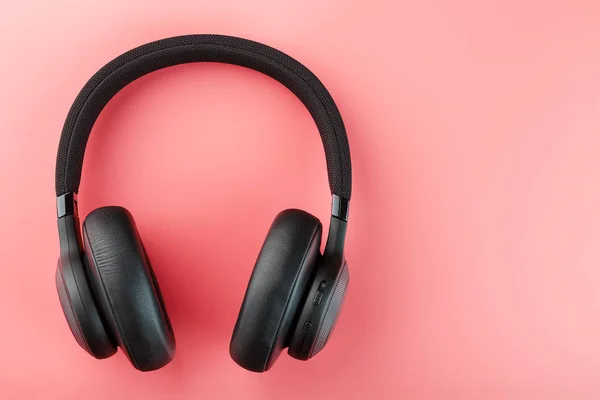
{"x": 474, "y": 242}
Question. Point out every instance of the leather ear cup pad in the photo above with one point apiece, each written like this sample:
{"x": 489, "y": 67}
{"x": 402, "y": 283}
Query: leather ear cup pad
{"x": 123, "y": 283}
{"x": 276, "y": 290}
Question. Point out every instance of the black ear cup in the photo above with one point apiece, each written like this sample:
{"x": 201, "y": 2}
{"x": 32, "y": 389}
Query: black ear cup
{"x": 320, "y": 312}
{"x": 125, "y": 290}
{"x": 276, "y": 290}
{"x": 80, "y": 310}
{"x": 333, "y": 312}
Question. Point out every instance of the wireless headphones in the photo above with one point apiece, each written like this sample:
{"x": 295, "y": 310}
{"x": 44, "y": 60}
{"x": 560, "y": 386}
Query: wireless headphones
{"x": 106, "y": 286}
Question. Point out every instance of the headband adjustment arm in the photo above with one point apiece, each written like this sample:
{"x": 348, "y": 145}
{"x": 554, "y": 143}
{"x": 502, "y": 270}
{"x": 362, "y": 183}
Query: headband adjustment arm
{"x": 340, "y": 207}
{"x": 66, "y": 204}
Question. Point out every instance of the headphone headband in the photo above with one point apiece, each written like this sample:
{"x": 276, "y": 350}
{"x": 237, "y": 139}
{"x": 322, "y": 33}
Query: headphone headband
{"x": 126, "y": 68}
{"x": 107, "y": 290}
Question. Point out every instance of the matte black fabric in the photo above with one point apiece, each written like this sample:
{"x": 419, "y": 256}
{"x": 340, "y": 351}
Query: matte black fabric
{"x": 276, "y": 290}
{"x": 125, "y": 289}
{"x": 193, "y": 48}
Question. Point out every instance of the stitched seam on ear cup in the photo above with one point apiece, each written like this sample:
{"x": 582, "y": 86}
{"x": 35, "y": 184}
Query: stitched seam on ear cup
{"x": 112, "y": 310}
{"x": 289, "y": 297}
{"x": 103, "y": 321}
{"x": 253, "y": 53}
{"x": 156, "y": 289}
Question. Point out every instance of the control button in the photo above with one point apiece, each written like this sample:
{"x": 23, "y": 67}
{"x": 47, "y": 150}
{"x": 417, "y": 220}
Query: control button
{"x": 306, "y": 328}
{"x": 318, "y": 298}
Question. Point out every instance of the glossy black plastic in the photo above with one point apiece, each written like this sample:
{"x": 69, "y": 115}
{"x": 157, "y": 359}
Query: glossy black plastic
{"x": 340, "y": 207}
{"x": 66, "y": 205}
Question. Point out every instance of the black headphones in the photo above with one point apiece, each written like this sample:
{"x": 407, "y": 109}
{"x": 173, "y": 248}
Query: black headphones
{"x": 105, "y": 282}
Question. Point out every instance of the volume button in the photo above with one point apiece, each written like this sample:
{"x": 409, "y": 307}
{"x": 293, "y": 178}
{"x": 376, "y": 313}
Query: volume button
{"x": 318, "y": 298}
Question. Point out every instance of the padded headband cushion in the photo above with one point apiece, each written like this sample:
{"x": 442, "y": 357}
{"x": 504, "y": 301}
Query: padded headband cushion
{"x": 276, "y": 290}
{"x": 125, "y": 288}
{"x": 193, "y": 48}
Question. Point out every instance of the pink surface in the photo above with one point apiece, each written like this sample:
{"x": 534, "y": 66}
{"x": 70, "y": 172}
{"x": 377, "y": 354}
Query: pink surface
{"x": 474, "y": 242}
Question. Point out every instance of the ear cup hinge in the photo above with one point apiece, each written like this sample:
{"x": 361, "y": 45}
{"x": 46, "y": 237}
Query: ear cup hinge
{"x": 340, "y": 207}
{"x": 67, "y": 213}
{"x": 66, "y": 204}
